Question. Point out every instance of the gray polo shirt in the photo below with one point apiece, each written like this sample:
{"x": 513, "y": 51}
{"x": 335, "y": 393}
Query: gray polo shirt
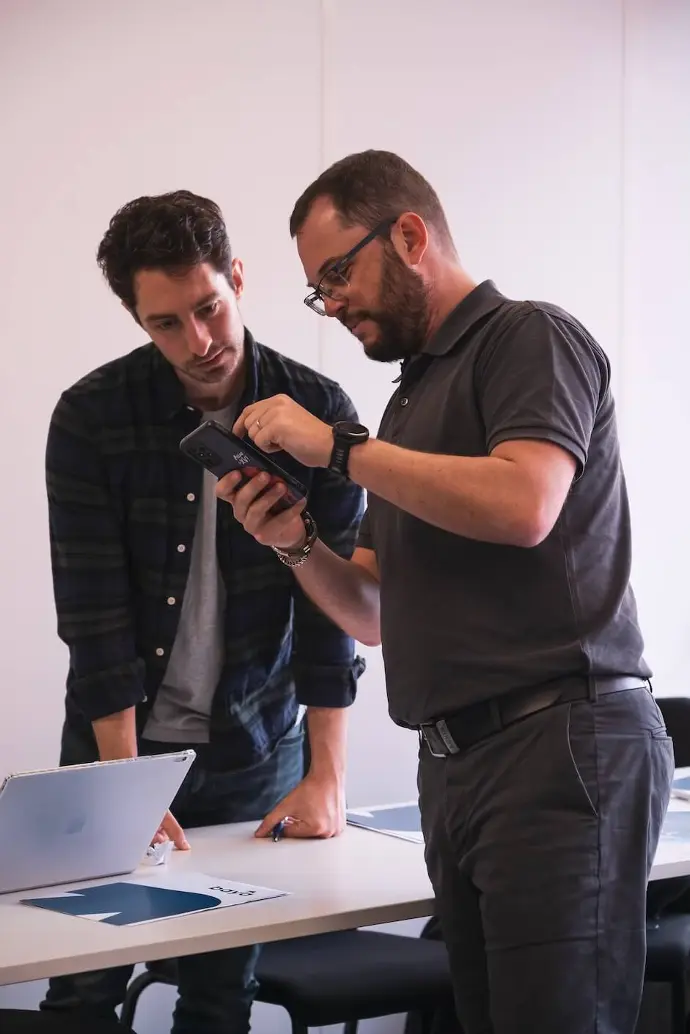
{"x": 462, "y": 620}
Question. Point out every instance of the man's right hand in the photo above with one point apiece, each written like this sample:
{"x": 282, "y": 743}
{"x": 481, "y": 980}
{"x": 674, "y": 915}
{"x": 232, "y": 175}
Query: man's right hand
{"x": 347, "y": 591}
{"x": 251, "y": 504}
{"x": 170, "y": 829}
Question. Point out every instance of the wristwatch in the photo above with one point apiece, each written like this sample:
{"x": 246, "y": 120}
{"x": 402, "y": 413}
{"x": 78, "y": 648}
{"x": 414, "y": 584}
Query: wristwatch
{"x": 345, "y": 434}
{"x": 296, "y": 557}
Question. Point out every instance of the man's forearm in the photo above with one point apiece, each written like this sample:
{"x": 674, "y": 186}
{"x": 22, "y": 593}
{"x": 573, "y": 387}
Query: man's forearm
{"x": 479, "y": 497}
{"x": 346, "y": 593}
{"x": 327, "y": 729}
{"x": 116, "y": 735}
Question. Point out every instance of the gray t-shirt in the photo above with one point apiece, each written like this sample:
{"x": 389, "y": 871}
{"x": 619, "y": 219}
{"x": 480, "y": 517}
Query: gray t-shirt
{"x": 181, "y": 712}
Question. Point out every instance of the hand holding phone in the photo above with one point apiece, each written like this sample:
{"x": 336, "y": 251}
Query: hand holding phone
{"x": 220, "y": 452}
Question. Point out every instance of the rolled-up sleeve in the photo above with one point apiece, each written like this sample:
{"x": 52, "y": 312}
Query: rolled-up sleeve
{"x": 90, "y": 571}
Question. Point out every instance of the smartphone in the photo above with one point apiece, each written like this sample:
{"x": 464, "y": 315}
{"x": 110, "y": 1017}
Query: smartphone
{"x": 221, "y": 451}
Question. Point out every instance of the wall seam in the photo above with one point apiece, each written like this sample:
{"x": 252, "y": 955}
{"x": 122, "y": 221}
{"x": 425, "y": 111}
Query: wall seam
{"x": 321, "y": 331}
{"x": 622, "y": 241}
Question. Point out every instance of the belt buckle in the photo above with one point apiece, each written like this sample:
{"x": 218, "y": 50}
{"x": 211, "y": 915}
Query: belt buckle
{"x": 438, "y": 734}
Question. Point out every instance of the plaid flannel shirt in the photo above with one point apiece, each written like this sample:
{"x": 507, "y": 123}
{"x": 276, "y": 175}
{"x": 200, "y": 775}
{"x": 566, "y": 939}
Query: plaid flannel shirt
{"x": 122, "y": 509}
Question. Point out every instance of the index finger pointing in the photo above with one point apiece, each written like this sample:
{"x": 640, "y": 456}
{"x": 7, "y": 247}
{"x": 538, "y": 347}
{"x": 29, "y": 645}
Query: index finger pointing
{"x": 171, "y": 826}
{"x": 243, "y": 421}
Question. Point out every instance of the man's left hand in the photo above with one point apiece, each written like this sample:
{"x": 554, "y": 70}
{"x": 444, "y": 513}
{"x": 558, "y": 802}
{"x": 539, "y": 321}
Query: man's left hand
{"x": 315, "y": 808}
{"x": 280, "y": 423}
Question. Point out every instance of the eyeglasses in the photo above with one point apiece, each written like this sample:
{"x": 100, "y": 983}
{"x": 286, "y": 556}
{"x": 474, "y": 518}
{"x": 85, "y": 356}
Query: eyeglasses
{"x": 335, "y": 279}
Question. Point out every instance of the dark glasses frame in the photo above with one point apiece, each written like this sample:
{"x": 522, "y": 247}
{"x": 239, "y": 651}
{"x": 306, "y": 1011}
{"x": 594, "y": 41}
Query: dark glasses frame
{"x": 314, "y": 299}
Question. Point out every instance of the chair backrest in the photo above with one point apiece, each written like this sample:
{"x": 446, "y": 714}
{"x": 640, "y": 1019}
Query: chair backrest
{"x": 444, "y": 1020}
{"x": 676, "y": 712}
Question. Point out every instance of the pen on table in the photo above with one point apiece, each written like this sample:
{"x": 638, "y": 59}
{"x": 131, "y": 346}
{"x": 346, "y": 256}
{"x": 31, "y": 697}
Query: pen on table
{"x": 278, "y": 830}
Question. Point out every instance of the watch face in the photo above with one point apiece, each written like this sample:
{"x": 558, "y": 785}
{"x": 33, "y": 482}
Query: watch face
{"x": 349, "y": 429}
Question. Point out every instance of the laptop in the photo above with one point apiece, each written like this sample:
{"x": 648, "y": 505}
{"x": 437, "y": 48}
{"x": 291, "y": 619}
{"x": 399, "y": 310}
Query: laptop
{"x": 84, "y": 822}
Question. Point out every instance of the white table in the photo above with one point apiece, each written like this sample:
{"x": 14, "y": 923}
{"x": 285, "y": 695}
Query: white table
{"x": 672, "y": 858}
{"x": 358, "y": 879}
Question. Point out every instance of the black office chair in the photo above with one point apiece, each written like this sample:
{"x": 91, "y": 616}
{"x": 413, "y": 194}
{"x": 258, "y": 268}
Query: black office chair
{"x": 24, "y": 1021}
{"x": 444, "y": 1019}
{"x": 337, "y": 978}
{"x": 676, "y": 712}
{"x": 668, "y": 901}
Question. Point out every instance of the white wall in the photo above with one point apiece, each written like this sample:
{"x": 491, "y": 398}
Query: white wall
{"x": 558, "y": 136}
{"x": 98, "y": 108}
{"x": 655, "y": 361}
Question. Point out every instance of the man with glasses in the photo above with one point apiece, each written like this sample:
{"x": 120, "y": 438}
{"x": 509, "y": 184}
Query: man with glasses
{"x": 181, "y": 631}
{"x": 494, "y": 565}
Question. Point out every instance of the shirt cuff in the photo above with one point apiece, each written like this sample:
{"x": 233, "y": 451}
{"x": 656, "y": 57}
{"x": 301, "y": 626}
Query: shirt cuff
{"x": 326, "y": 686}
{"x": 108, "y": 691}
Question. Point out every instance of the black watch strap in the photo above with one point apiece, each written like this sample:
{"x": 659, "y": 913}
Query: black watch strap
{"x": 340, "y": 456}
{"x": 346, "y": 434}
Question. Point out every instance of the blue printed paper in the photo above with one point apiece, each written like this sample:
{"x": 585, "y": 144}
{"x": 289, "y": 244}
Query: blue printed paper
{"x": 404, "y": 821}
{"x": 396, "y": 820}
{"x": 681, "y": 783}
{"x": 676, "y": 827}
{"x": 145, "y": 899}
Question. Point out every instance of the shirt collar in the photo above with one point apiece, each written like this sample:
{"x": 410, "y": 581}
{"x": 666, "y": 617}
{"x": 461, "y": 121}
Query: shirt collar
{"x": 475, "y": 307}
{"x": 170, "y": 393}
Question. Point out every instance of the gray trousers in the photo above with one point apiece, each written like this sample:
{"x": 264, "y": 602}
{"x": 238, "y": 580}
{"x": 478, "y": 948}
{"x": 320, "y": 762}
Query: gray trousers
{"x": 539, "y": 842}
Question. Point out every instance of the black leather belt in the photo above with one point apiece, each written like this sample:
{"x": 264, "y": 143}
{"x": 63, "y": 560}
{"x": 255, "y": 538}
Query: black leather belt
{"x": 477, "y": 721}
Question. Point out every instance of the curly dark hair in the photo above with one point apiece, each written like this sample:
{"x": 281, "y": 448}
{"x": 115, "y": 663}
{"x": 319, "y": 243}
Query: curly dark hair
{"x": 370, "y": 187}
{"x": 172, "y": 231}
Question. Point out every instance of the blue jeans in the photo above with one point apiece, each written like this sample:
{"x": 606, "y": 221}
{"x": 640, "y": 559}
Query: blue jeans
{"x": 216, "y": 989}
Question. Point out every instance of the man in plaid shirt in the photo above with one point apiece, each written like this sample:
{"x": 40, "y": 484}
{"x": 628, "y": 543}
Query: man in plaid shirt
{"x": 182, "y": 630}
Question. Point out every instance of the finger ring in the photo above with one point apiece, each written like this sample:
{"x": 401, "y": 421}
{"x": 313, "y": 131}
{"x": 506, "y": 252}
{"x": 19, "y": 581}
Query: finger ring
{"x": 258, "y": 423}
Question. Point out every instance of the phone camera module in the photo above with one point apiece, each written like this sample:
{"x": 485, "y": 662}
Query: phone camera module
{"x": 207, "y": 456}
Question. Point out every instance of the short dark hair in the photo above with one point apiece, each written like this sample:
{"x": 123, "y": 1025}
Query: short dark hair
{"x": 369, "y": 187}
{"x": 172, "y": 231}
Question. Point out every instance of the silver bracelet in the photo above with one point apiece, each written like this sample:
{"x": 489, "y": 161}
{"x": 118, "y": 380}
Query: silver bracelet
{"x": 296, "y": 557}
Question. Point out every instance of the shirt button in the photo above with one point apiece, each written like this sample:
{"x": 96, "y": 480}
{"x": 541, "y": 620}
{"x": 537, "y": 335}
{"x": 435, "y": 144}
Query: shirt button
{"x": 171, "y": 601}
{"x": 190, "y": 497}
{"x": 181, "y": 548}
{"x": 404, "y": 400}
{"x": 159, "y": 651}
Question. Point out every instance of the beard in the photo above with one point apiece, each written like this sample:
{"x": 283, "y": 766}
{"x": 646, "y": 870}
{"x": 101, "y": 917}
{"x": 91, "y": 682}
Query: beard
{"x": 402, "y": 315}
